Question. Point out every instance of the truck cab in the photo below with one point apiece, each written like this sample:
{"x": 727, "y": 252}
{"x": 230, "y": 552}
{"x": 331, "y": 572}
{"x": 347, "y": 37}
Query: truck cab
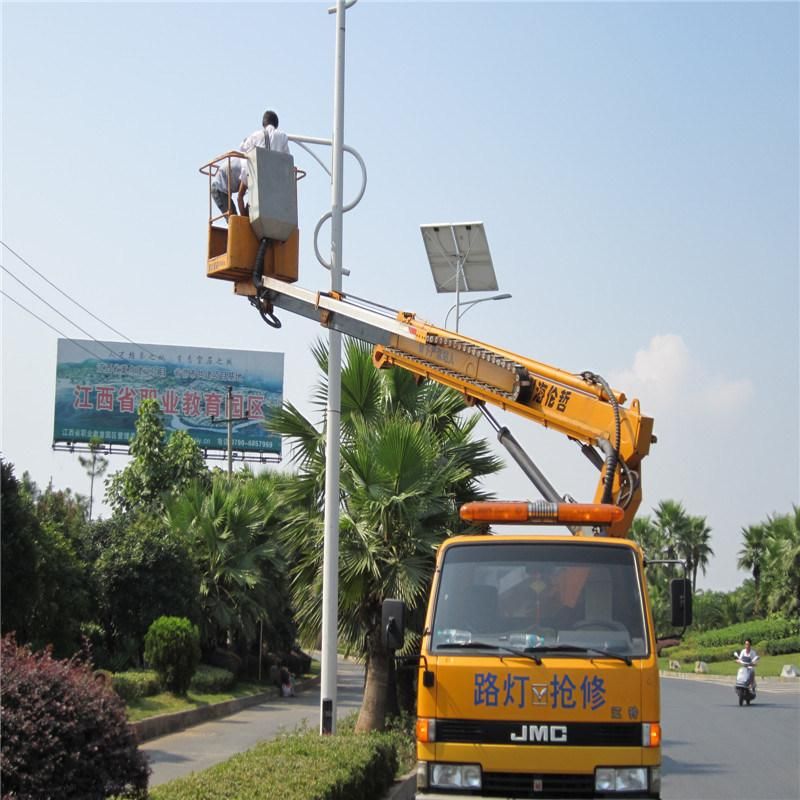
{"x": 538, "y": 671}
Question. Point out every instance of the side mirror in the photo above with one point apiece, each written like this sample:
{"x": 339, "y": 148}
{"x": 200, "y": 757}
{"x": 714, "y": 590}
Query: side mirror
{"x": 393, "y": 625}
{"x": 681, "y": 597}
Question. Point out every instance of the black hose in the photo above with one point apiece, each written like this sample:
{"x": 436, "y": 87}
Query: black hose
{"x": 261, "y": 300}
{"x": 613, "y": 459}
{"x": 258, "y": 267}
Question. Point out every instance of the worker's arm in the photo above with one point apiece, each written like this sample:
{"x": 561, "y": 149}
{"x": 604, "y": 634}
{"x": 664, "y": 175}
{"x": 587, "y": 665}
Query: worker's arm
{"x": 240, "y": 197}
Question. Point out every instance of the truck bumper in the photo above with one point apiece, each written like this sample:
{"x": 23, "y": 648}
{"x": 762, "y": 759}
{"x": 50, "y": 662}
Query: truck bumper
{"x": 437, "y": 796}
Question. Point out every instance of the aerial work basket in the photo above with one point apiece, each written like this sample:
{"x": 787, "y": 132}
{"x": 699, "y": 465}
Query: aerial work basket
{"x": 233, "y": 240}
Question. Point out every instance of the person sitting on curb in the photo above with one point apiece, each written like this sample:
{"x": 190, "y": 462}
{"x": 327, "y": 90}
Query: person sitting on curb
{"x": 287, "y": 683}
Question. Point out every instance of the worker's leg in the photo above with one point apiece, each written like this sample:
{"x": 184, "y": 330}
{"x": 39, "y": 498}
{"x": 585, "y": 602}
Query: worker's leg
{"x": 221, "y": 199}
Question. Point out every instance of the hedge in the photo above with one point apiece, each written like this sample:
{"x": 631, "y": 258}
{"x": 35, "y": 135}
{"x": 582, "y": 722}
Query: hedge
{"x": 689, "y": 654}
{"x": 757, "y": 630}
{"x": 297, "y": 766}
{"x": 791, "y": 644}
{"x": 136, "y": 683}
{"x": 212, "y": 680}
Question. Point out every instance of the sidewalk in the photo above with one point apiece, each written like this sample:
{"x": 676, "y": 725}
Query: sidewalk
{"x": 201, "y": 746}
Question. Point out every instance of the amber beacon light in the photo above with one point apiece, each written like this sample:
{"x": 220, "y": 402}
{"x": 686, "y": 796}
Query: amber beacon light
{"x": 541, "y": 512}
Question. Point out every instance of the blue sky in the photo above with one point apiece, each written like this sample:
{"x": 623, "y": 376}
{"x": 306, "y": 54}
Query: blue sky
{"x": 635, "y": 166}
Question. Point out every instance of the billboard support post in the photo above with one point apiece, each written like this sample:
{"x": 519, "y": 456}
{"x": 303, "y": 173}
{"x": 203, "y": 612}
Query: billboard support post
{"x": 230, "y": 419}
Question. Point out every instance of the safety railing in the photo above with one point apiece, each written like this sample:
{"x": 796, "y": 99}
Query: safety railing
{"x": 213, "y": 167}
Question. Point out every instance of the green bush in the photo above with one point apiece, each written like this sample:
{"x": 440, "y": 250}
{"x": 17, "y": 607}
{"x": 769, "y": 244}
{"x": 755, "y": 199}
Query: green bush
{"x": 777, "y": 647}
{"x": 299, "y": 766}
{"x": 136, "y": 683}
{"x": 172, "y": 649}
{"x": 689, "y": 654}
{"x": 212, "y": 680}
{"x": 769, "y": 629}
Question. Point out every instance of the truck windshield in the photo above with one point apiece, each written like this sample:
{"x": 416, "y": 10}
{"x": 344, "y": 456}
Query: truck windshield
{"x": 568, "y": 597}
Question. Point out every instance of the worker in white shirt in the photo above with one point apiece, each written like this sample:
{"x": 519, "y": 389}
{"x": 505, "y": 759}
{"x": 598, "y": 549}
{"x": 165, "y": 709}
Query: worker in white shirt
{"x": 268, "y": 135}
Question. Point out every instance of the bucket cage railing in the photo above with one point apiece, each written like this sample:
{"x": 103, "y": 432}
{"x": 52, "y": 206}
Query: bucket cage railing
{"x": 213, "y": 167}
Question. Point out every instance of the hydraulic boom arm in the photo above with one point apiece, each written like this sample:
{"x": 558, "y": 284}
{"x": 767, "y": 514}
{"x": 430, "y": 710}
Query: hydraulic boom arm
{"x": 581, "y": 406}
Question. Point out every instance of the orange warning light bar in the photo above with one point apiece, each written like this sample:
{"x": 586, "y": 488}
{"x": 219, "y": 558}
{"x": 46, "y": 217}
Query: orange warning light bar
{"x": 541, "y": 512}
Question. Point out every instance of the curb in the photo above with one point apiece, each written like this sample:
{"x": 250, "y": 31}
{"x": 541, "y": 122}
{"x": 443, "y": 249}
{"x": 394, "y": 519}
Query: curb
{"x": 726, "y": 679}
{"x": 163, "y": 724}
{"x": 403, "y": 788}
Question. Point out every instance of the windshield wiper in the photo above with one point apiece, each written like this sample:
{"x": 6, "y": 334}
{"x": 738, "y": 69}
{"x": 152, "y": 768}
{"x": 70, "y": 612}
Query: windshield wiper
{"x": 574, "y": 648}
{"x": 527, "y": 653}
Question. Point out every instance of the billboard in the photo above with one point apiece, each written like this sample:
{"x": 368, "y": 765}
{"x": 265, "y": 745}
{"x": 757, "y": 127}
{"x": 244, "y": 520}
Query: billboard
{"x": 98, "y": 396}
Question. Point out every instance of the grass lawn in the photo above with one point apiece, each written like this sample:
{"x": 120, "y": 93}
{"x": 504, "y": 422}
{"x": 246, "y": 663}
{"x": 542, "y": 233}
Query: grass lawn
{"x": 168, "y": 703}
{"x": 768, "y": 666}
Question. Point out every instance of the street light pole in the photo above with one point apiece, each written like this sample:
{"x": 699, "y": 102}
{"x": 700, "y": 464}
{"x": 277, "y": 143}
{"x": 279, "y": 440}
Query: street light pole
{"x": 459, "y": 270}
{"x": 462, "y": 309}
{"x": 330, "y": 552}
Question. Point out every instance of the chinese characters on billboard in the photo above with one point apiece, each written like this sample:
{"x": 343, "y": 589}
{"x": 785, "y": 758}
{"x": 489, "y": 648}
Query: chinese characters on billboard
{"x": 98, "y": 397}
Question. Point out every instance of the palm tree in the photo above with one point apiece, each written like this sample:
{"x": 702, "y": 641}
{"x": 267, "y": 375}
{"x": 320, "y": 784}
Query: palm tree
{"x": 228, "y": 530}
{"x": 752, "y": 557}
{"x": 783, "y": 546}
{"x": 650, "y": 537}
{"x": 672, "y": 521}
{"x": 407, "y": 460}
{"x": 693, "y": 546}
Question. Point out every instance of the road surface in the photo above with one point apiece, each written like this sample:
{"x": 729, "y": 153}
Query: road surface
{"x": 712, "y": 749}
{"x": 715, "y": 750}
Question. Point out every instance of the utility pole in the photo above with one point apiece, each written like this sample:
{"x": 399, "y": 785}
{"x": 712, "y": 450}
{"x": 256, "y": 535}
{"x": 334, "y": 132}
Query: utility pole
{"x": 95, "y": 466}
{"x": 229, "y": 419}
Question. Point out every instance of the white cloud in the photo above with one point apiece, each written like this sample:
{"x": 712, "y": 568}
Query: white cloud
{"x": 667, "y": 379}
{"x": 659, "y": 372}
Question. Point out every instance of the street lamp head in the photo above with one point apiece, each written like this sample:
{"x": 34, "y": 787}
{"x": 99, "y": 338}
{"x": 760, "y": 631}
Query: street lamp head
{"x": 462, "y": 308}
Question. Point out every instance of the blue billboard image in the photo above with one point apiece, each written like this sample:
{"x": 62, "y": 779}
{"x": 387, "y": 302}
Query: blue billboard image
{"x": 99, "y": 386}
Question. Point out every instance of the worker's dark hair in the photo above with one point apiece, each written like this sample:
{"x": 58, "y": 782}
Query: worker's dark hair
{"x": 270, "y": 118}
{"x": 748, "y": 640}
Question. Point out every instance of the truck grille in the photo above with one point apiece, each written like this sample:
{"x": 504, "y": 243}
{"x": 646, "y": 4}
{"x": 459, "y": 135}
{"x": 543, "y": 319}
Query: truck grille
{"x": 578, "y": 734}
{"x": 517, "y": 784}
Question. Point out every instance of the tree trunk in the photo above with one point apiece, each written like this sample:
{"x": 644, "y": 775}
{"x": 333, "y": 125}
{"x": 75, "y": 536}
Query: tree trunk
{"x": 407, "y": 689}
{"x": 757, "y": 587}
{"x": 372, "y": 715}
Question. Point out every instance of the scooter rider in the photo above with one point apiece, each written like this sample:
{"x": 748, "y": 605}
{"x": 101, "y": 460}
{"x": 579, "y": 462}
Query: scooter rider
{"x": 748, "y": 657}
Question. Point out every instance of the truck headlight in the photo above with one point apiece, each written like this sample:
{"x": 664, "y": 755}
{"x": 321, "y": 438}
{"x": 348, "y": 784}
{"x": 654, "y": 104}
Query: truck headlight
{"x": 467, "y": 776}
{"x": 632, "y": 779}
{"x": 605, "y": 779}
{"x": 620, "y": 779}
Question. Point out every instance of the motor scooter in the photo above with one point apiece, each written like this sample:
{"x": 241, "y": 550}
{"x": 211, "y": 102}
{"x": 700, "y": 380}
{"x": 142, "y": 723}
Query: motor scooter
{"x": 745, "y": 677}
